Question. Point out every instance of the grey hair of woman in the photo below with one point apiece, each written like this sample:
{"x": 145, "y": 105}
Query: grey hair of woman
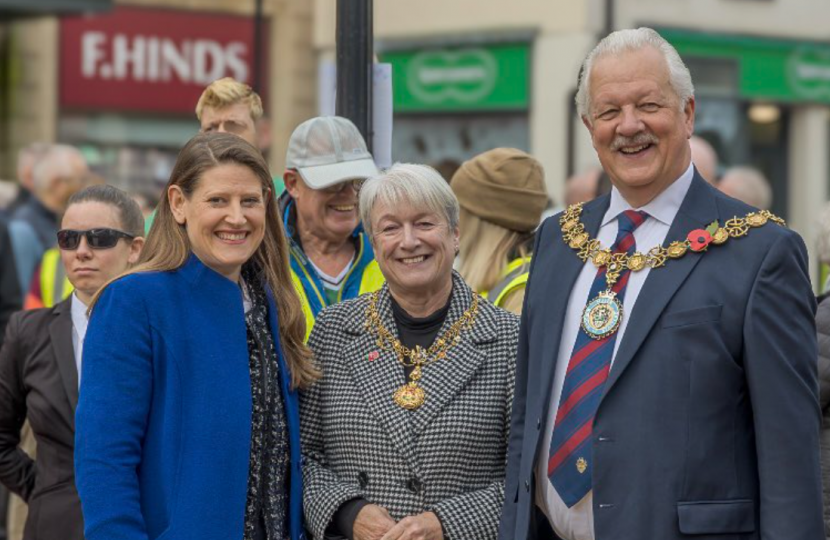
{"x": 419, "y": 186}
{"x": 634, "y": 40}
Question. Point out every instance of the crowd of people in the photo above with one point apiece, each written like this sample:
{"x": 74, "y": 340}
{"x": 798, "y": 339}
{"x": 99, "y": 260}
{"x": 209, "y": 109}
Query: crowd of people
{"x": 343, "y": 352}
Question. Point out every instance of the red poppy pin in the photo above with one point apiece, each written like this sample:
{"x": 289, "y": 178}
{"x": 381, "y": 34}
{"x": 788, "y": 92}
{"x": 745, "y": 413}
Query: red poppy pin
{"x": 374, "y": 355}
{"x": 699, "y": 239}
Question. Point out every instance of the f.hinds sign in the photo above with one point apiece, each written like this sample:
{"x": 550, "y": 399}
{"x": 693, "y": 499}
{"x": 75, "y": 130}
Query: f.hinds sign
{"x": 150, "y": 60}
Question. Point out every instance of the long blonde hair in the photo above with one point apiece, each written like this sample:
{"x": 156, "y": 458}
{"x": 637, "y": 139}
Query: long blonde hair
{"x": 485, "y": 250}
{"x": 168, "y": 247}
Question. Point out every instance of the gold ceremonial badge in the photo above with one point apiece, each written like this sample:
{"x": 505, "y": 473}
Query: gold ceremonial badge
{"x": 677, "y": 249}
{"x": 756, "y": 219}
{"x": 578, "y": 240}
{"x": 410, "y": 396}
{"x": 636, "y": 262}
{"x": 581, "y": 465}
{"x": 602, "y": 316}
{"x": 720, "y": 236}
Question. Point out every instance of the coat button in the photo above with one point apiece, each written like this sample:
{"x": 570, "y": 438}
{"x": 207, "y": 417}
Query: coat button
{"x": 538, "y": 424}
{"x": 413, "y": 485}
{"x": 362, "y": 479}
{"x": 527, "y": 486}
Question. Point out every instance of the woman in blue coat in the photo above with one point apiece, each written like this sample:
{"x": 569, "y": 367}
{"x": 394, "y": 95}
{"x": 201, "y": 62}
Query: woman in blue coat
{"x": 187, "y": 423}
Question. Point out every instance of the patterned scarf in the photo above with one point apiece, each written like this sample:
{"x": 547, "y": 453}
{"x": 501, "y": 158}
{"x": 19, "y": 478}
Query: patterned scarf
{"x": 268, "y": 471}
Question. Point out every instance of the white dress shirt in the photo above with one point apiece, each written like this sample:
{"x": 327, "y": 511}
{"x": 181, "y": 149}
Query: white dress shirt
{"x": 79, "y": 324}
{"x": 577, "y": 522}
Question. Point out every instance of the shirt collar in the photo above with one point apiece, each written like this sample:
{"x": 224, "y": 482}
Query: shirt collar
{"x": 663, "y": 207}
{"x": 79, "y": 317}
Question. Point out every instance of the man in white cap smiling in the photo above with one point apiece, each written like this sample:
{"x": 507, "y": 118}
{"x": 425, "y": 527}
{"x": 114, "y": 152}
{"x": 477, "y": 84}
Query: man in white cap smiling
{"x": 330, "y": 257}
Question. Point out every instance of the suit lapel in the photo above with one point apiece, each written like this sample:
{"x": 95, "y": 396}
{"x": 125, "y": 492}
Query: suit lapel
{"x": 60, "y": 332}
{"x": 379, "y": 378}
{"x": 444, "y": 379}
{"x": 558, "y": 281}
{"x": 696, "y": 212}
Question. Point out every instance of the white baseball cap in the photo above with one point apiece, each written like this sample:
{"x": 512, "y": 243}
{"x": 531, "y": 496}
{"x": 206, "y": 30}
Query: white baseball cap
{"x": 329, "y": 150}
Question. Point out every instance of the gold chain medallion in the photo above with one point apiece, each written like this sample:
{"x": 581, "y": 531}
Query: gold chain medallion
{"x": 602, "y": 315}
{"x": 411, "y": 395}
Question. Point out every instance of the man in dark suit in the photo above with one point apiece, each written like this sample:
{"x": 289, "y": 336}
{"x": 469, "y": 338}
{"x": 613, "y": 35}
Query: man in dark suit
{"x": 662, "y": 392}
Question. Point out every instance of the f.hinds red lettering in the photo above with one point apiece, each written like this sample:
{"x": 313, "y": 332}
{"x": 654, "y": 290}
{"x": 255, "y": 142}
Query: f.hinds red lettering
{"x": 154, "y": 61}
{"x": 158, "y": 59}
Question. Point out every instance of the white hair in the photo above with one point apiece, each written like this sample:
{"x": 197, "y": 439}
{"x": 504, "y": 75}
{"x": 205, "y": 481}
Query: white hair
{"x": 748, "y": 185}
{"x": 419, "y": 186}
{"x": 633, "y": 40}
{"x": 58, "y": 161}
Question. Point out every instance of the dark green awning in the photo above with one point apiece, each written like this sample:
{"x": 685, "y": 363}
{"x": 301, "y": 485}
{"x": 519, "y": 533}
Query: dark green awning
{"x": 43, "y": 7}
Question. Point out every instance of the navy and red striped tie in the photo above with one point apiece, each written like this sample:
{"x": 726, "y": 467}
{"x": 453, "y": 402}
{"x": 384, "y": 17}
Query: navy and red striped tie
{"x": 570, "y": 462}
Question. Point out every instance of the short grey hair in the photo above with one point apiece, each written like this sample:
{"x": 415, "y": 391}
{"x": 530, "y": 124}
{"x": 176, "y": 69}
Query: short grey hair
{"x": 633, "y": 40}
{"x": 59, "y": 160}
{"x": 406, "y": 183}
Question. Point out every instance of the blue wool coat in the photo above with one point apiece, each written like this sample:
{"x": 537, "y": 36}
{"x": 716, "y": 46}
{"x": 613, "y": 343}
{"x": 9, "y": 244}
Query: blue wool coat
{"x": 163, "y": 424}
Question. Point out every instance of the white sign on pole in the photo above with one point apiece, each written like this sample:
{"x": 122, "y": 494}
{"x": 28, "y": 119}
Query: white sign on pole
{"x": 382, "y": 107}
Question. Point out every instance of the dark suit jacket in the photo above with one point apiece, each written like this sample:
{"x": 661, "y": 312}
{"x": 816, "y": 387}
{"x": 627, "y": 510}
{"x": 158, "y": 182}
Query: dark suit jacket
{"x": 10, "y": 297}
{"x": 39, "y": 380}
{"x": 709, "y": 421}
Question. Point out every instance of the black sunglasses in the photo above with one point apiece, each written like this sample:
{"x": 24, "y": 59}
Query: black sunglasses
{"x": 69, "y": 239}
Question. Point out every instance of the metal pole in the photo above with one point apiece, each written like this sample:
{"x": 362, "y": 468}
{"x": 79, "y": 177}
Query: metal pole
{"x": 609, "y": 17}
{"x": 257, "y": 52}
{"x": 354, "y": 64}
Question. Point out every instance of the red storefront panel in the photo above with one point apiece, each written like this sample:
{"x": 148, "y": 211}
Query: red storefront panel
{"x": 151, "y": 60}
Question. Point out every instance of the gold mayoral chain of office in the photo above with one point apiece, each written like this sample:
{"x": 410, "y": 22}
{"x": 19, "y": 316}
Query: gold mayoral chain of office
{"x": 604, "y": 313}
{"x": 411, "y": 395}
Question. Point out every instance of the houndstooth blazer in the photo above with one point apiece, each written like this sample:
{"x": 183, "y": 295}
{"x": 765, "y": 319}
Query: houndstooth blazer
{"x": 448, "y": 456}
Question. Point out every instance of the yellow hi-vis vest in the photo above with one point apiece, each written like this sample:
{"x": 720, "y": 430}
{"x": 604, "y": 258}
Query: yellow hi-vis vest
{"x": 513, "y": 277}
{"x": 371, "y": 281}
{"x": 54, "y": 285}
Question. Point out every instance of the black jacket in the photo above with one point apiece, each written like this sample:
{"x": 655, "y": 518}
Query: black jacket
{"x": 39, "y": 380}
{"x": 10, "y": 297}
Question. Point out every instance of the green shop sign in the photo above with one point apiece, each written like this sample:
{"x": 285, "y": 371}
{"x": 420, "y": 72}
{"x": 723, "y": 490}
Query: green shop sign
{"x": 460, "y": 79}
{"x": 776, "y": 70}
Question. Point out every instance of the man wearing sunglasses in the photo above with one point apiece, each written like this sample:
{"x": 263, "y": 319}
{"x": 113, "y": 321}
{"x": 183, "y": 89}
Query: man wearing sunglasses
{"x": 331, "y": 257}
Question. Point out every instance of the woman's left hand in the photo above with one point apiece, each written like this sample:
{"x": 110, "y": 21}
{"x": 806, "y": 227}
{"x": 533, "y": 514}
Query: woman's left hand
{"x": 424, "y": 526}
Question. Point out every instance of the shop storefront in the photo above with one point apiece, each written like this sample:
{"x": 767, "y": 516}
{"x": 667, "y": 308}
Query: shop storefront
{"x": 130, "y": 79}
{"x": 748, "y": 91}
{"x": 452, "y": 103}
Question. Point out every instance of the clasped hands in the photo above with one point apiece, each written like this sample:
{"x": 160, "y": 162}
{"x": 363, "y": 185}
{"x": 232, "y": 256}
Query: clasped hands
{"x": 374, "y": 523}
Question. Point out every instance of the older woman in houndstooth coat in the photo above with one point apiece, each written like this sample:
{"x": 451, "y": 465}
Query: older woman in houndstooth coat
{"x": 405, "y": 435}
